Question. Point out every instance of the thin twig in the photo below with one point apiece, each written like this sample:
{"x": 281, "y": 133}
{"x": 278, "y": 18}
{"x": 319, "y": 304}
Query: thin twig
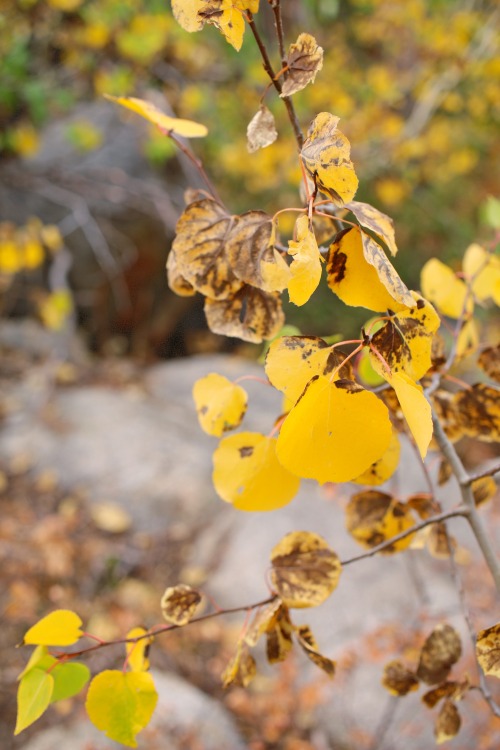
{"x": 278, "y": 25}
{"x": 484, "y": 473}
{"x": 196, "y": 162}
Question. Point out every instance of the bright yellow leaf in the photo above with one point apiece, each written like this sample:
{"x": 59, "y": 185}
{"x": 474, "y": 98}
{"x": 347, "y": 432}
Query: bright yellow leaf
{"x": 248, "y": 474}
{"x": 334, "y": 432}
{"x": 184, "y": 128}
{"x": 482, "y": 270}
{"x": 306, "y": 264}
{"x": 440, "y": 285}
{"x": 186, "y": 14}
{"x": 380, "y": 471}
{"x": 360, "y": 273}
{"x": 137, "y": 653}
{"x": 468, "y": 338}
{"x": 220, "y": 404}
{"x": 121, "y": 704}
{"x": 60, "y": 628}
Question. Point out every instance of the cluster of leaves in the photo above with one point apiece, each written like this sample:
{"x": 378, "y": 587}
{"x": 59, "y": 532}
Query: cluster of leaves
{"x": 121, "y": 702}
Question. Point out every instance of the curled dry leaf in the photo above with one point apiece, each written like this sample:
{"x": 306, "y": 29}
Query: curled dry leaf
{"x": 424, "y": 504}
{"x": 252, "y": 255}
{"x": 360, "y": 273}
{"x": 250, "y": 315}
{"x": 241, "y": 669}
{"x": 376, "y": 221}
{"x": 448, "y": 722}
{"x": 304, "y": 570}
{"x": 454, "y": 690}
{"x": 279, "y": 636}
{"x": 292, "y": 361}
{"x": 179, "y": 604}
{"x": 373, "y": 517}
{"x": 202, "y": 233}
{"x": 326, "y": 157}
{"x": 262, "y": 621}
{"x": 488, "y": 650}
{"x": 261, "y": 130}
{"x": 176, "y": 280}
{"x": 307, "y": 642}
{"x": 305, "y": 59}
{"x": 398, "y": 679}
{"x": 440, "y": 651}
{"x": 489, "y": 361}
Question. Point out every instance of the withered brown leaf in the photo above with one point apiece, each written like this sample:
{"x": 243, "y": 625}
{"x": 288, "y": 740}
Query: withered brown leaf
{"x": 373, "y": 517}
{"x": 488, "y": 650}
{"x": 250, "y": 314}
{"x": 176, "y": 280}
{"x": 398, "y": 679}
{"x": 261, "y": 130}
{"x": 489, "y": 361}
{"x": 478, "y": 411}
{"x": 305, "y": 59}
{"x": 440, "y": 651}
{"x": 448, "y": 722}
{"x": 307, "y": 642}
{"x": 179, "y": 604}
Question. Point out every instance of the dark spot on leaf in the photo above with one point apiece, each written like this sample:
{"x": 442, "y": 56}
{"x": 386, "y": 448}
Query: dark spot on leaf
{"x": 245, "y": 451}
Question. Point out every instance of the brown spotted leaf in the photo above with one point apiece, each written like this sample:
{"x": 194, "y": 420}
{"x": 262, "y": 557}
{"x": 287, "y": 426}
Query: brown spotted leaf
{"x": 439, "y": 653}
{"x": 252, "y": 254}
{"x": 445, "y": 472}
{"x": 202, "y": 233}
{"x": 305, "y": 59}
{"x": 373, "y": 517}
{"x": 307, "y": 642}
{"x": 176, "y": 280}
{"x": 443, "y": 402}
{"x": 360, "y": 273}
{"x": 250, "y": 315}
{"x": 326, "y": 158}
{"x": 454, "y": 690}
{"x": 292, "y": 361}
{"x": 448, "y": 722}
{"x": 279, "y": 636}
{"x": 241, "y": 669}
{"x": 488, "y": 650}
{"x": 261, "y": 130}
{"x": 264, "y": 619}
{"x": 489, "y": 361}
{"x": 398, "y": 679}
{"x": 304, "y": 570}
{"x": 478, "y": 411}
{"x": 439, "y": 541}
{"x": 377, "y": 222}
{"x": 484, "y": 489}
{"x": 424, "y": 504}
{"x": 179, "y": 604}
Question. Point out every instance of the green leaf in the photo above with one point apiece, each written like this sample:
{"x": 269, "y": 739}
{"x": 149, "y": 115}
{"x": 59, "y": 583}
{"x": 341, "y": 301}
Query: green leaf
{"x": 121, "y": 704}
{"x": 69, "y": 679}
{"x": 33, "y": 697}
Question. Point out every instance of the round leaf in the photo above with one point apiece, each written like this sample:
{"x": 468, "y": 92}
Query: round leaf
{"x": 220, "y": 404}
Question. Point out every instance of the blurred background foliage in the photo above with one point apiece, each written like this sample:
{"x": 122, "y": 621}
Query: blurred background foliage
{"x": 416, "y": 84}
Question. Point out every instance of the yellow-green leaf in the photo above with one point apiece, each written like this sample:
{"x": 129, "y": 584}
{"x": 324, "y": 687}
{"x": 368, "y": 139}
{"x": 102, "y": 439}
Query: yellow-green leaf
{"x": 305, "y": 571}
{"x": 377, "y": 222}
{"x": 60, "y": 628}
{"x": 137, "y": 652}
{"x": 440, "y": 285}
{"x": 69, "y": 679}
{"x": 292, "y": 361}
{"x": 39, "y": 658}
{"x": 326, "y": 157}
{"x": 373, "y": 517}
{"x": 184, "y": 128}
{"x": 306, "y": 264}
{"x": 220, "y": 404}
{"x": 33, "y": 697}
{"x": 248, "y": 474}
{"x": 488, "y": 650}
{"x": 179, "y": 604}
{"x": 360, "y": 273}
{"x": 121, "y": 704}
{"x": 334, "y": 432}
{"x": 380, "y": 471}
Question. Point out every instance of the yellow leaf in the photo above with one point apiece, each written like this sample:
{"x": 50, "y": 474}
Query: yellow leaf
{"x": 248, "y": 474}
{"x": 250, "y": 315}
{"x": 264, "y": 619}
{"x": 121, "y": 704}
{"x": 305, "y": 571}
{"x": 373, "y": 517}
{"x": 251, "y": 5}
{"x": 468, "y": 338}
{"x": 179, "y": 604}
{"x": 377, "y": 222}
{"x": 200, "y": 248}
{"x": 225, "y": 16}
{"x": 482, "y": 270}
{"x": 55, "y": 308}
{"x": 334, "y": 432}
{"x": 176, "y": 280}
{"x": 184, "y": 128}
{"x": 360, "y": 273}
{"x": 326, "y": 157}
{"x": 441, "y": 650}
{"x": 304, "y": 60}
{"x": 440, "y": 285}
{"x": 220, "y": 404}
{"x": 405, "y": 341}
{"x": 33, "y": 697}
{"x": 186, "y": 14}
{"x": 292, "y": 361}
{"x": 380, "y": 471}
{"x": 488, "y": 650}
{"x": 138, "y": 652}
{"x": 60, "y": 628}
{"x": 306, "y": 264}
{"x": 489, "y": 361}
{"x": 251, "y": 252}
